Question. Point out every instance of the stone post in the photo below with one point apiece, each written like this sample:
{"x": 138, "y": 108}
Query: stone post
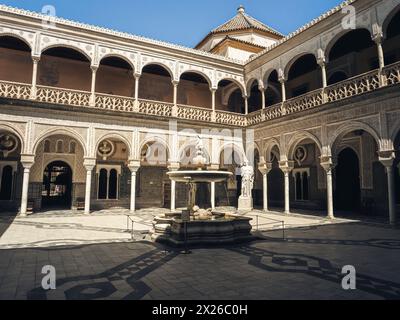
{"x": 246, "y": 105}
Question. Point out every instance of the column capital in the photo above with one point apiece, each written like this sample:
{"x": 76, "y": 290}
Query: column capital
{"x": 89, "y": 163}
{"x": 377, "y": 33}
{"x": 36, "y": 59}
{"x": 387, "y": 157}
{"x": 175, "y": 82}
{"x": 94, "y": 68}
{"x": 174, "y": 166}
{"x": 137, "y": 75}
{"x": 134, "y": 165}
{"x": 327, "y": 163}
{"x": 27, "y": 160}
{"x": 213, "y": 89}
{"x": 286, "y": 166}
{"x": 321, "y": 59}
{"x": 265, "y": 167}
{"x": 281, "y": 76}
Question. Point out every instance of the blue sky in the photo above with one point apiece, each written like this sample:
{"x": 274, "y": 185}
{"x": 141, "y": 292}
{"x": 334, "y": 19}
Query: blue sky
{"x": 183, "y": 22}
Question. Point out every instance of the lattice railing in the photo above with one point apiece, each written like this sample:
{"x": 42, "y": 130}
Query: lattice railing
{"x": 273, "y": 112}
{"x": 353, "y": 86}
{"x": 114, "y": 103}
{"x": 304, "y": 102}
{"x": 231, "y": 118}
{"x": 155, "y": 108}
{"x": 15, "y": 90}
{"x": 63, "y": 96}
{"x": 194, "y": 113}
{"x": 367, "y": 82}
{"x": 391, "y": 74}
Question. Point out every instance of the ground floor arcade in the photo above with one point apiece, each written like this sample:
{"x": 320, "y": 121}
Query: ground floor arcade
{"x": 356, "y": 179}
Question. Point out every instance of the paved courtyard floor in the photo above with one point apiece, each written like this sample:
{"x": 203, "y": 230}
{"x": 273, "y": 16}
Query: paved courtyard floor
{"x": 96, "y": 258}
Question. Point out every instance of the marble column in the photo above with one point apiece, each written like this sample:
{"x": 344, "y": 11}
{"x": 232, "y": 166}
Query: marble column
{"x": 175, "y": 107}
{"x": 387, "y": 159}
{"x": 326, "y": 163}
{"x": 391, "y": 194}
{"x": 262, "y": 91}
{"x": 25, "y": 186}
{"x": 88, "y": 187}
{"x": 137, "y": 77}
{"x": 286, "y": 169}
{"x": 265, "y": 168}
{"x": 213, "y": 116}
{"x": 246, "y": 105}
{"x": 93, "y": 86}
{"x": 134, "y": 166}
{"x": 35, "y": 61}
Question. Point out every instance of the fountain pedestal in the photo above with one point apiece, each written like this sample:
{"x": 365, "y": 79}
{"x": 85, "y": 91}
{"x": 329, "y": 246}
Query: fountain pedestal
{"x": 245, "y": 203}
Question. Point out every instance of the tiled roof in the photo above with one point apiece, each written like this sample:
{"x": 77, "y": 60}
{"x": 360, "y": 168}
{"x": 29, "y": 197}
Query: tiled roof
{"x": 239, "y": 41}
{"x": 243, "y": 21}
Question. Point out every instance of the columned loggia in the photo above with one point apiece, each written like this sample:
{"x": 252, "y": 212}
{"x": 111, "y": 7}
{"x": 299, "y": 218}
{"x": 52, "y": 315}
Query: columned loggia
{"x": 387, "y": 159}
{"x": 287, "y": 167}
{"x": 134, "y": 166}
{"x": 327, "y": 164}
{"x": 35, "y": 61}
{"x": 27, "y": 162}
{"x": 89, "y": 164}
{"x": 265, "y": 168}
{"x": 173, "y": 167}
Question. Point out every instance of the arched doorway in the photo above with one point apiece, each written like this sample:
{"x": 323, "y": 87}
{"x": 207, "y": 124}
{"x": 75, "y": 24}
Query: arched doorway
{"x": 347, "y": 192}
{"x": 57, "y": 186}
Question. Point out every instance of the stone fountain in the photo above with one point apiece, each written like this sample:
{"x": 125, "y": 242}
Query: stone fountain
{"x": 195, "y": 225}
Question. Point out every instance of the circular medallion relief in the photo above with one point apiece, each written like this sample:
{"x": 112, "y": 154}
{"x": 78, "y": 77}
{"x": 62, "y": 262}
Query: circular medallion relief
{"x": 106, "y": 149}
{"x": 8, "y": 144}
{"x": 300, "y": 155}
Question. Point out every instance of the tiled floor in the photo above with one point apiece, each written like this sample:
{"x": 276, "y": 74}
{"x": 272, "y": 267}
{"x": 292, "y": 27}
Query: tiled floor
{"x": 306, "y": 266}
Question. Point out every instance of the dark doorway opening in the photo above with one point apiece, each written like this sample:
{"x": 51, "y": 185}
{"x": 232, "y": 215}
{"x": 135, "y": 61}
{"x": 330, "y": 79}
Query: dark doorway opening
{"x": 348, "y": 192}
{"x": 57, "y": 186}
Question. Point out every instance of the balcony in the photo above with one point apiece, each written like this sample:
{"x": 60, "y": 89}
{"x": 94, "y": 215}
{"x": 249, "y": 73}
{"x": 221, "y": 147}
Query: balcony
{"x": 355, "y": 86}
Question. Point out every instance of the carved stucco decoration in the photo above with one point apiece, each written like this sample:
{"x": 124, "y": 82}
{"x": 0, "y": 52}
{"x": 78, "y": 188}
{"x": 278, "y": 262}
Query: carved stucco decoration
{"x": 8, "y": 144}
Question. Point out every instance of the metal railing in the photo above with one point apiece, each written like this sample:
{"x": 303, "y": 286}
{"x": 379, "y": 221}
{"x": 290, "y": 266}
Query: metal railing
{"x": 274, "y": 222}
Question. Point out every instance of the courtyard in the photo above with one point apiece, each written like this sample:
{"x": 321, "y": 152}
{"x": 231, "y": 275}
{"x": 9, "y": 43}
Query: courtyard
{"x": 105, "y": 256}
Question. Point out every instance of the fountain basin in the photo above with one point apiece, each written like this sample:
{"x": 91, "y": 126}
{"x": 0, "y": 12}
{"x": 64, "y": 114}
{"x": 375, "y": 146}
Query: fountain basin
{"x": 221, "y": 229}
